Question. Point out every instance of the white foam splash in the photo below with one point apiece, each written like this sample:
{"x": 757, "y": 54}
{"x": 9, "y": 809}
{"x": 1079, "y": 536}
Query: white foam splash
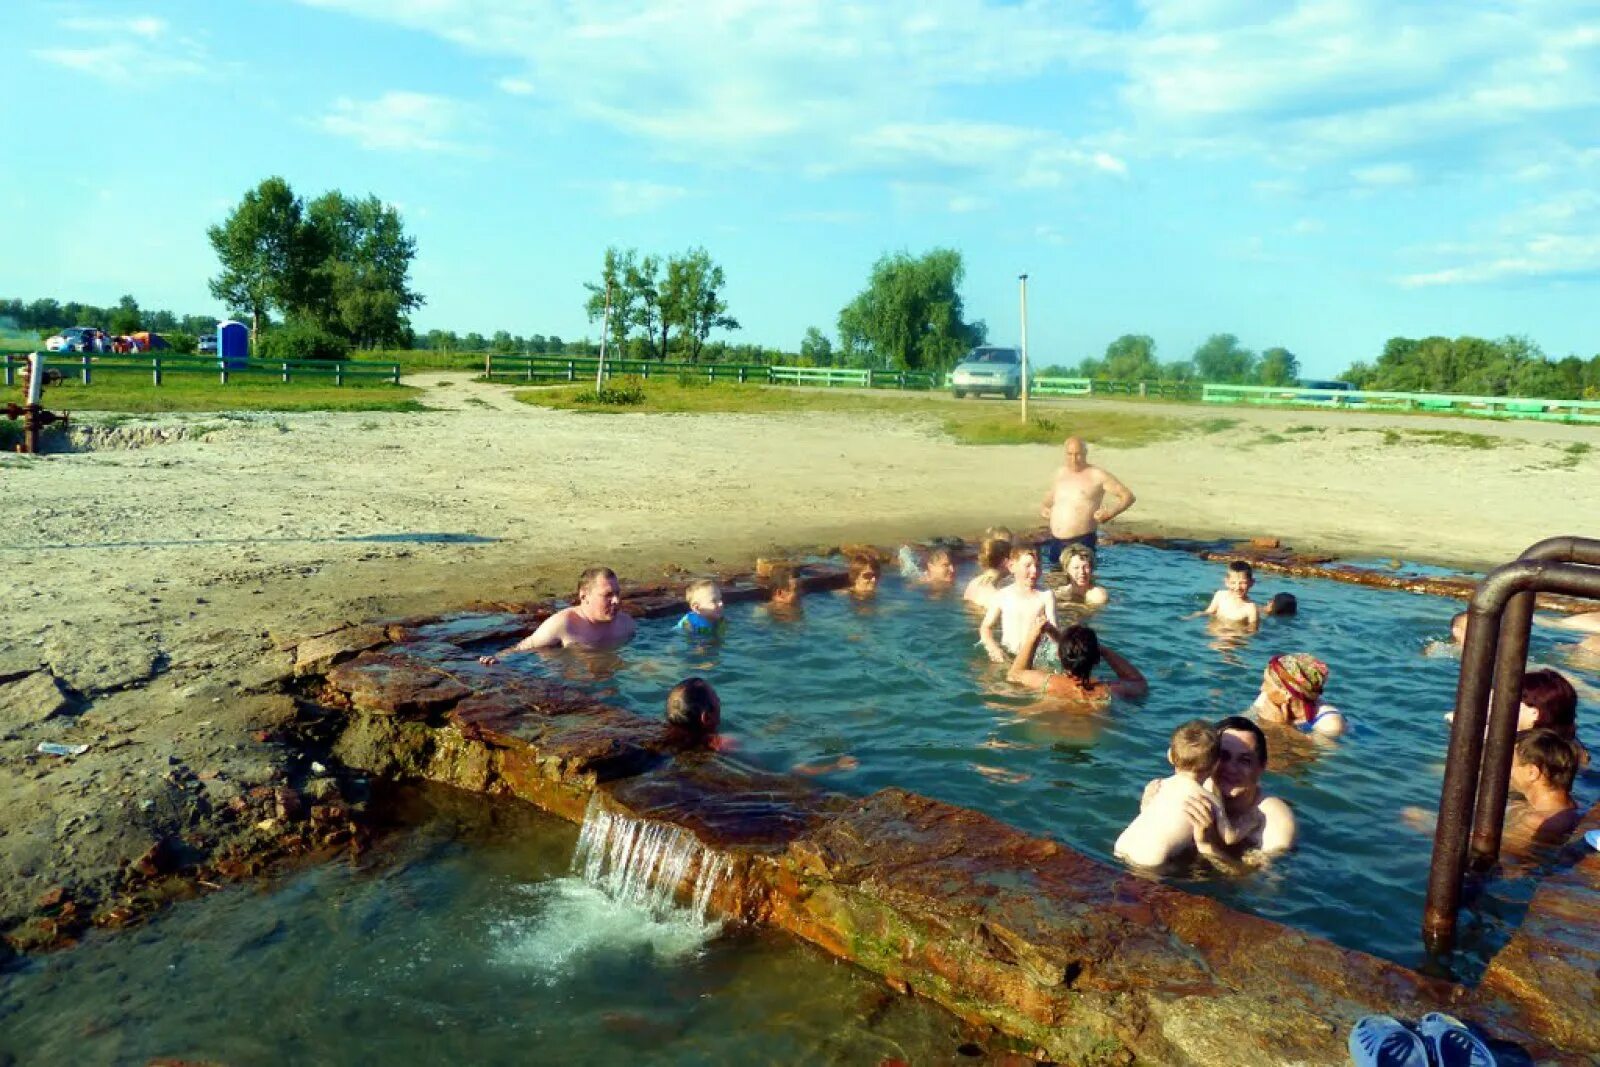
{"x": 644, "y": 863}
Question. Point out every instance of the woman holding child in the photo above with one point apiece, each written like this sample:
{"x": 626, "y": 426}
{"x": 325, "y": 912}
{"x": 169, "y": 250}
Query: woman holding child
{"x": 1080, "y": 651}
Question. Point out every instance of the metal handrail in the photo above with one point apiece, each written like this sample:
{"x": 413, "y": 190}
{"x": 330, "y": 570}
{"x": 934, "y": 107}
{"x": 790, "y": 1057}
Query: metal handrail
{"x": 1478, "y": 768}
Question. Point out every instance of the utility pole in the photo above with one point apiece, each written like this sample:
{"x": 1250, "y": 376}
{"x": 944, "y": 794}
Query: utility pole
{"x": 1022, "y": 279}
{"x": 605, "y": 329}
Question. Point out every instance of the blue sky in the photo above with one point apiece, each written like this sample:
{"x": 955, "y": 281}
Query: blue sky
{"x": 1321, "y": 176}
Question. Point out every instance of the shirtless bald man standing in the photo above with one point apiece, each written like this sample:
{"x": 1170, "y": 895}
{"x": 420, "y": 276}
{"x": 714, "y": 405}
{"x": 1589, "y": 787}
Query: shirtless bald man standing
{"x": 1076, "y": 504}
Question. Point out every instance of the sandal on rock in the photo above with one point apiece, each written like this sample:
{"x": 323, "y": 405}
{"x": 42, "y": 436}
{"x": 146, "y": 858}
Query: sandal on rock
{"x": 1383, "y": 1041}
{"x": 1452, "y": 1044}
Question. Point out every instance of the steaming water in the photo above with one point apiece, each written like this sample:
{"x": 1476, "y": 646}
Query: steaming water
{"x": 465, "y": 941}
{"x": 899, "y": 685}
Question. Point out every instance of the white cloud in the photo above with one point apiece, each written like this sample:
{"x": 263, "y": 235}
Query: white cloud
{"x": 1380, "y": 175}
{"x": 398, "y": 122}
{"x": 517, "y": 86}
{"x": 640, "y": 198}
{"x": 136, "y": 51}
{"x": 965, "y": 204}
{"x": 1558, "y": 237}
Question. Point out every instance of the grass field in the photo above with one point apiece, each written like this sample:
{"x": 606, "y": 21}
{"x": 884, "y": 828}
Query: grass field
{"x": 978, "y": 424}
{"x": 132, "y": 391}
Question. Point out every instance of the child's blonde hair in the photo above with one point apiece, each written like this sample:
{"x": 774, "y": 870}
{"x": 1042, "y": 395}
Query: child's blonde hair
{"x": 699, "y": 588}
{"x": 1196, "y": 747}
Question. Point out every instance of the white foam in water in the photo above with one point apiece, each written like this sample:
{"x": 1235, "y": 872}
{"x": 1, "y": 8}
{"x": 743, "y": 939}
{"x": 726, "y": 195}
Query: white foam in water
{"x": 574, "y": 924}
{"x": 623, "y": 903}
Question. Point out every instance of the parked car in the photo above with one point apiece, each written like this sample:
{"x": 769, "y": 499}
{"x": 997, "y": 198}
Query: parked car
{"x": 988, "y": 369}
{"x": 1319, "y": 383}
{"x": 77, "y": 339}
{"x": 206, "y": 344}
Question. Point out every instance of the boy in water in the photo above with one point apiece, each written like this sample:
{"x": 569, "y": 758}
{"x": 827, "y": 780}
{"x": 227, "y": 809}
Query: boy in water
{"x": 1542, "y": 768}
{"x": 1016, "y": 606}
{"x": 1080, "y": 587}
{"x": 783, "y": 591}
{"x": 704, "y": 617}
{"x": 1162, "y": 832}
{"x": 992, "y": 556}
{"x": 1231, "y": 604}
{"x": 694, "y": 711}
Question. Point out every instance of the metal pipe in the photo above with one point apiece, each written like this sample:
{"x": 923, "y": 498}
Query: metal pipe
{"x": 1494, "y": 774}
{"x": 1457, "y": 796}
{"x": 1494, "y": 778}
{"x": 35, "y": 379}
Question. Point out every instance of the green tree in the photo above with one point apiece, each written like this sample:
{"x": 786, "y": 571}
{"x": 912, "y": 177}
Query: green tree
{"x": 361, "y": 287}
{"x": 125, "y": 317}
{"x": 1222, "y": 359}
{"x": 613, "y": 284}
{"x": 642, "y": 277}
{"x": 815, "y": 348}
{"x": 1278, "y": 366}
{"x": 1131, "y": 358}
{"x": 692, "y": 299}
{"x": 910, "y": 315}
{"x": 266, "y": 257}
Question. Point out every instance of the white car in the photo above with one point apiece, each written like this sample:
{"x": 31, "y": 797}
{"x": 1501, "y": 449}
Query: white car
{"x": 77, "y": 339}
{"x": 988, "y": 369}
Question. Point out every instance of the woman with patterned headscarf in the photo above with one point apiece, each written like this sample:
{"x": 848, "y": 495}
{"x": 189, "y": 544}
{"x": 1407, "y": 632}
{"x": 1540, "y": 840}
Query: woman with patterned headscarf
{"x": 1291, "y": 694}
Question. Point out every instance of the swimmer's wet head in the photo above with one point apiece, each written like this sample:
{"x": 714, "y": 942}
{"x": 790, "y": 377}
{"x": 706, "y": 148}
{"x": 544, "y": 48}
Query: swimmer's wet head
{"x": 1458, "y": 628}
{"x": 1080, "y": 565}
{"x": 1548, "y": 701}
{"x": 1543, "y": 757}
{"x": 1023, "y": 563}
{"x": 704, "y": 597}
{"x": 694, "y": 708}
{"x": 864, "y": 574}
{"x": 599, "y": 594}
{"x": 1078, "y": 648}
{"x": 1240, "y": 577}
{"x": 941, "y": 567}
{"x": 1282, "y": 604}
{"x": 783, "y": 587}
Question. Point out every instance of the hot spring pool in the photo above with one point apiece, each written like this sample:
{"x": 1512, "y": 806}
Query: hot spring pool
{"x": 899, "y": 685}
{"x": 465, "y": 940}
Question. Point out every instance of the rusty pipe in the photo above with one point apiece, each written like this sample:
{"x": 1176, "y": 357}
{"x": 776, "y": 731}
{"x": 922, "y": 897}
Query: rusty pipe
{"x": 1494, "y": 777}
{"x": 1457, "y": 795}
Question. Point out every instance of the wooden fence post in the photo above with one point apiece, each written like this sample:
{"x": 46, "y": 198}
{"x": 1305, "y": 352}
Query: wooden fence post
{"x": 11, "y": 374}
{"x": 395, "y": 379}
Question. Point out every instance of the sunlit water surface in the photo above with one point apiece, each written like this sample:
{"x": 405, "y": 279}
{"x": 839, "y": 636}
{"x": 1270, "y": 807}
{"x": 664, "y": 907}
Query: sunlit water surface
{"x": 465, "y": 941}
{"x": 899, "y": 685}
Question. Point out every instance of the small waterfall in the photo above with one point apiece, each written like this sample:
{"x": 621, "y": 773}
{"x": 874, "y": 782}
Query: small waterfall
{"x": 644, "y": 863}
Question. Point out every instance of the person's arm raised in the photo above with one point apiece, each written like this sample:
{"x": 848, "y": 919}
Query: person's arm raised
{"x": 1129, "y": 683}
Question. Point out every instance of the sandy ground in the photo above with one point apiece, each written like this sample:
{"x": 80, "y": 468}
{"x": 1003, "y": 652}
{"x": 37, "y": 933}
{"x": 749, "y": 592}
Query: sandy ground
{"x": 146, "y": 586}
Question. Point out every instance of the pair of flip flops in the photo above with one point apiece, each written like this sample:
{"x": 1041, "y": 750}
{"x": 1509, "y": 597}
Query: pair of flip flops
{"x": 1438, "y": 1041}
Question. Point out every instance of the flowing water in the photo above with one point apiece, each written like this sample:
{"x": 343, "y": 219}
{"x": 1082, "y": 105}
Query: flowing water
{"x": 895, "y": 692}
{"x": 468, "y": 939}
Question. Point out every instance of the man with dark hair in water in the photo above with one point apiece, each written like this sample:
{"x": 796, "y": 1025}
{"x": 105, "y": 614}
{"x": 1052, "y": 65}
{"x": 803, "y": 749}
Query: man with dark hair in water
{"x": 595, "y": 621}
{"x": 1238, "y": 781}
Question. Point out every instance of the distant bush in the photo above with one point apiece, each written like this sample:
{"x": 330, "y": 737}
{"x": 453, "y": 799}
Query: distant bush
{"x": 181, "y": 343}
{"x": 624, "y": 392}
{"x": 301, "y": 341}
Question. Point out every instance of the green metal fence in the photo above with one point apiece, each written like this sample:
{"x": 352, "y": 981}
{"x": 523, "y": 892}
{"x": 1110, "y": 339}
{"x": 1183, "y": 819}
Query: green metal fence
{"x": 84, "y": 367}
{"x": 1512, "y": 407}
{"x": 581, "y": 368}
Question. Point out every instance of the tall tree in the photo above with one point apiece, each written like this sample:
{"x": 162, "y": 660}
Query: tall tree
{"x": 1131, "y": 358}
{"x": 692, "y": 299}
{"x": 910, "y": 314}
{"x": 361, "y": 288}
{"x": 126, "y": 317}
{"x": 644, "y": 285}
{"x": 613, "y": 284}
{"x": 1278, "y": 366}
{"x": 815, "y": 348}
{"x": 1222, "y": 359}
{"x": 263, "y": 250}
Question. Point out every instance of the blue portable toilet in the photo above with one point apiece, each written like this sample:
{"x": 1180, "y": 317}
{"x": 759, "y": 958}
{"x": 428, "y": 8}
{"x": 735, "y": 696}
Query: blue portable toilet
{"x": 233, "y": 343}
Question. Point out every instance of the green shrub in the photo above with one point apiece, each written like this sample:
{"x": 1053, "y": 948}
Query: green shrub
{"x": 622, "y": 392}
{"x": 297, "y": 341}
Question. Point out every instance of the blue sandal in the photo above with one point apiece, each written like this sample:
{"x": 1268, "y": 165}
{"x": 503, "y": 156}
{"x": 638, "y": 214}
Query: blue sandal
{"x": 1384, "y": 1041}
{"x": 1452, "y": 1044}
